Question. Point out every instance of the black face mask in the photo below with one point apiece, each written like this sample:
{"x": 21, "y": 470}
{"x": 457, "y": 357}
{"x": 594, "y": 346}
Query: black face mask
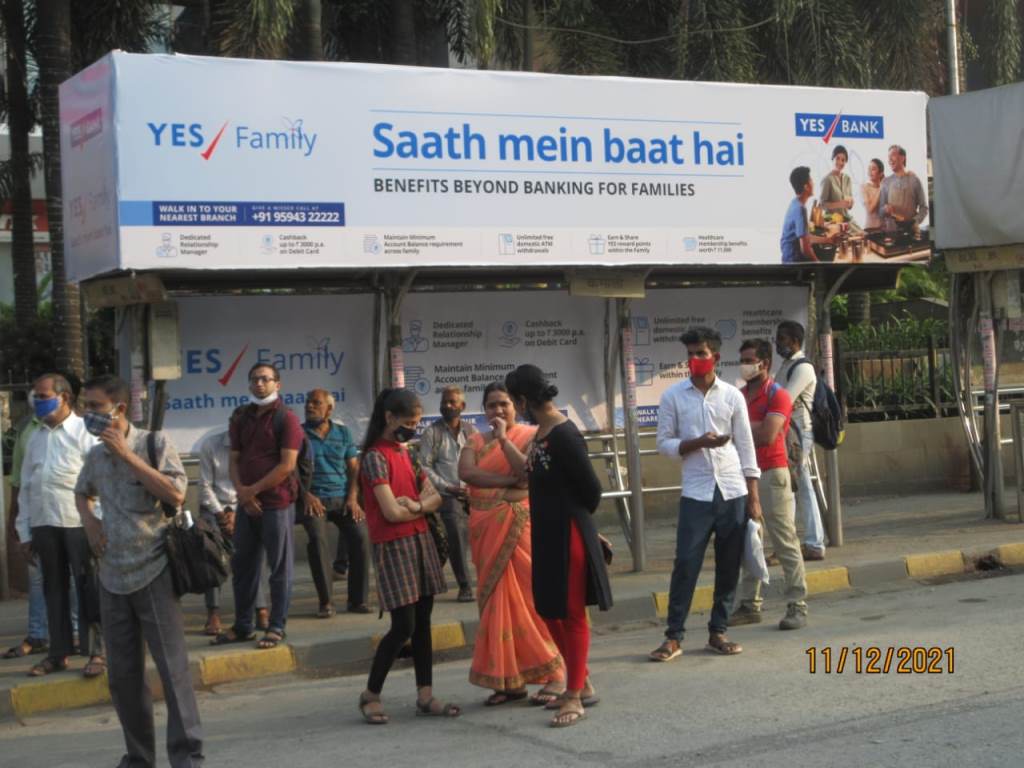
{"x": 449, "y": 414}
{"x": 785, "y": 351}
{"x": 404, "y": 434}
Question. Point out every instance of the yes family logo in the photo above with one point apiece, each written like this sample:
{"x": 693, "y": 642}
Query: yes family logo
{"x": 291, "y": 136}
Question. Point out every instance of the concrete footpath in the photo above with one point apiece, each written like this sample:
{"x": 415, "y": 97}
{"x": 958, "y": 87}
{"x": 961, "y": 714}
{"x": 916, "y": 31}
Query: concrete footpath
{"x": 894, "y": 539}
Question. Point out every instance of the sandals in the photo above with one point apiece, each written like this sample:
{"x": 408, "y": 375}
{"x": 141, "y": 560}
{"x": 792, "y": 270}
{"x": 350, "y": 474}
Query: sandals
{"x": 96, "y": 666}
{"x": 568, "y": 717}
{"x": 212, "y": 626}
{"x": 544, "y": 696}
{"x": 271, "y": 639}
{"x": 27, "y": 647}
{"x": 719, "y": 644}
{"x": 371, "y": 718}
{"x": 232, "y": 637}
{"x": 48, "y": 666}
{"x": 668, "y": 650}
{"x": 498, "y": 698}
{"x": 434, "y": 708}
{"x": 587, "y": 701}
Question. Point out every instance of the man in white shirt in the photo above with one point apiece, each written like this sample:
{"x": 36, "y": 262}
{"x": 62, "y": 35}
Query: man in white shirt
{"x": 50, "y": 527}
{"x": 704, "y": 421}
{"x": 797, "y": 375}
{"x": 218, "y": 502}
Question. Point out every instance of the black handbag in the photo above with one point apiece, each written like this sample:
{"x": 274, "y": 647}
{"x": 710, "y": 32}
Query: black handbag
{"x": 200, "y": 554}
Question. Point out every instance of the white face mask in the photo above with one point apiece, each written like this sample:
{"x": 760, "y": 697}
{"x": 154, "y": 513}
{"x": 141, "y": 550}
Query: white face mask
{"x": 750, "y": 371}
{"x": 264, "y": 400}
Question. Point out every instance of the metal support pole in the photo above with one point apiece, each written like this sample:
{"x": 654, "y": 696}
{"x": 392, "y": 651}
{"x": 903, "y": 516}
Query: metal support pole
{"x": 993, "y": 457}
{"x": 632, "y": 434}
{"x": 612, "y": 350}
{"x": 396, "y": 358}
{"x": 833, "y": 517}
{"x": 5, "y": 587}
{"x": 952, "y": 49}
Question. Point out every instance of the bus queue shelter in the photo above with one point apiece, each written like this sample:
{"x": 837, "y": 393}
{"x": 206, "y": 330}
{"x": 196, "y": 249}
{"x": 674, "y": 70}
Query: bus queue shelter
{"x": 364, "y": 224}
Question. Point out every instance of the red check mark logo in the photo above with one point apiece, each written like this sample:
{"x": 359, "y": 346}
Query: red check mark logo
{"x": 213, "y": 144}
{"x": 223, "y": 380}
{"x": 828, "y": 133}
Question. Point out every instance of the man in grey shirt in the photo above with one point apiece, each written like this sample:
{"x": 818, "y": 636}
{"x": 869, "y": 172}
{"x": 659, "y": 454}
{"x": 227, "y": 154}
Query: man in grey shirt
{"x": 439, "y": 451}
{"x": 901, "y": 199}
{"x": 137, "y": 600}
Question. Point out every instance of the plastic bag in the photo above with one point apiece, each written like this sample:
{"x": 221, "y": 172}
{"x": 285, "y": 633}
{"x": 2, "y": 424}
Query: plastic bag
{"x": 753, "y": 553}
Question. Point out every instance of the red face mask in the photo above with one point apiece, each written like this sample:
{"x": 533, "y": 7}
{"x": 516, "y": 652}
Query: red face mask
{"x": 701, "y": 366}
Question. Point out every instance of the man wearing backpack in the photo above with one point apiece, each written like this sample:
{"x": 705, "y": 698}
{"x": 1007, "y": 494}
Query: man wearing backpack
{"x": 264, "y": 450}
{"x": 770, "y": 407}
{"x": 797, "y": 375}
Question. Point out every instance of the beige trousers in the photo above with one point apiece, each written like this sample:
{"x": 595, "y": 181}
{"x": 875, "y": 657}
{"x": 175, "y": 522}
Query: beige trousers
{"x": 779, "y": 507}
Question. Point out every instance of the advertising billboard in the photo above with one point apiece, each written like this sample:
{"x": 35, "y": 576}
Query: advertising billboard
{"x": 232, "y": 164}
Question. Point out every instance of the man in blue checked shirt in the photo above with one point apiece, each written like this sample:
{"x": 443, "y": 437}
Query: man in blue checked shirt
{"x": 333, "y": 498}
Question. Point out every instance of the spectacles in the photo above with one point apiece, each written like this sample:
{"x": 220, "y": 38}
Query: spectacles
{"x": 261, "y": 379}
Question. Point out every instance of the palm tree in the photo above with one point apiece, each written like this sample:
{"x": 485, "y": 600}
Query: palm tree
{"x": 53, "y": 54}
{"x": 19, "y": 122}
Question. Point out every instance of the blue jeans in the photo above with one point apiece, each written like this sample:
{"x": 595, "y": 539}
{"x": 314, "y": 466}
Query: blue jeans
{"x": 697, "y": 521}
{"x": 807, "y": 513}
{"x": 269, "y": 536}
{"x": 37, "y": 625}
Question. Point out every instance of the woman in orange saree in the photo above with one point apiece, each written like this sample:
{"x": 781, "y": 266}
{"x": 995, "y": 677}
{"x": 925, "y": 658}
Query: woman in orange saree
{"x": 513, "y": 645}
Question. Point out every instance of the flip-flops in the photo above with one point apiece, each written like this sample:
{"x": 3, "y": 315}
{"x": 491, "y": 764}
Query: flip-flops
{"x": 35, "y": 645}
{"x": 232, "y": 637}
{"x": 498, "y": 698}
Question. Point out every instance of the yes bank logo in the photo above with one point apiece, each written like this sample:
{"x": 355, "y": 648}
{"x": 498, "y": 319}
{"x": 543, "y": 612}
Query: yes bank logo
{"x": 827, "y": 126}
{"x": 317, "y": 356}
{"x": 290, "y": 136}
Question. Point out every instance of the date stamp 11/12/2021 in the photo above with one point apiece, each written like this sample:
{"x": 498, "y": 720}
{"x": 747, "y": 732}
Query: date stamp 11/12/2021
{"x": 878, "y": 660}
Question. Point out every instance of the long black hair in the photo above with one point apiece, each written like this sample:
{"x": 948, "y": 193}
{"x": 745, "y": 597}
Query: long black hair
{"x": 402, "y": 403}
{"x": 529, "y": 381}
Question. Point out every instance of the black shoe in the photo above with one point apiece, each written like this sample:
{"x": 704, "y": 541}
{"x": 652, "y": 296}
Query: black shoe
{"x": 361, "y": 608}
{"x": 465, "y": 595}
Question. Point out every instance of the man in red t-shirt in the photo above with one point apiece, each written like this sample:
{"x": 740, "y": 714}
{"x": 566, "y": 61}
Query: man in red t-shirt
{"x": 770, "y": 407}
{"x": 264, "y": 449}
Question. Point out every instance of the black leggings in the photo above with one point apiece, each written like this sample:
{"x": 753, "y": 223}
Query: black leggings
{"x": 408, "y": 621}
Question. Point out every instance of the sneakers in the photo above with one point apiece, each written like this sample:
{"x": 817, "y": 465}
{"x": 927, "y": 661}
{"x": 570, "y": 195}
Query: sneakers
{"x": 465, "y": 595}
{"x": 795, "y": 618}
{"x": 744, "y": 615}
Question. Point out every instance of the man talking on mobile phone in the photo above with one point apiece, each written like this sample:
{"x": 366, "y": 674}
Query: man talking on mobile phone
{"x": 704, "y": 421}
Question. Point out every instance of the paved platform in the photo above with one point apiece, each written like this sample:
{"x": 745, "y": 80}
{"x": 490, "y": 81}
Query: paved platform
{"x": 923, "y": 538}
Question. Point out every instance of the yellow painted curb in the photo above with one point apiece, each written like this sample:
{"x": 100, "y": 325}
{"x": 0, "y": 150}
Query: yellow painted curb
{"x": 68, "y": 693}
{"x": 243, "y": 665}
{"x": 443, "y": 637}
{"x": 827, "y": 580}
{"x": 935, "y": 564}
{"x": 1011, "y": 554}
{"x": 447, "y": 636}
{"x": 703, "y": 599}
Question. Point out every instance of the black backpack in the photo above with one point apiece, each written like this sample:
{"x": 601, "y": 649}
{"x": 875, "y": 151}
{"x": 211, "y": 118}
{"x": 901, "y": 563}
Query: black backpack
{"x": 826, "y": 413}
{"x": 303, "y": 473}
{"x": 199, "y": 556}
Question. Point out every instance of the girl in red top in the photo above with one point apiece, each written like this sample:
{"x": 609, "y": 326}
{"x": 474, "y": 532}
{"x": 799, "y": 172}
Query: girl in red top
{"x": 396, "y": 498}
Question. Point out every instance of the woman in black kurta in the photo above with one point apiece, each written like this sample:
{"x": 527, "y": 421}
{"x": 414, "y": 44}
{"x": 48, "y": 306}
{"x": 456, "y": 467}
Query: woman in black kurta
{"x": 568, "y": 567}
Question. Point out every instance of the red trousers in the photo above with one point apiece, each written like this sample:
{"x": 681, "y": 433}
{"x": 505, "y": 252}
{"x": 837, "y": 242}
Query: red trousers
{"x": 572, "y": 634}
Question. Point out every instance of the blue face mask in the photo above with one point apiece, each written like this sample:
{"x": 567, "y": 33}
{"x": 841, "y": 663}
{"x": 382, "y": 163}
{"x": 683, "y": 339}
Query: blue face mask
{"x": 44, "y": 407}
{"x": 96, "y": 423}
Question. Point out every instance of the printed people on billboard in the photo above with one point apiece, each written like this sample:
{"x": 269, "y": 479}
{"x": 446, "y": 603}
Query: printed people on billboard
{"x": 902, "y": 199}
{"x": 895, "y": 208}
{"x": 797, "y": 238}
{"x": 837, "y": 189}
{"x": 870, "y": 193}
